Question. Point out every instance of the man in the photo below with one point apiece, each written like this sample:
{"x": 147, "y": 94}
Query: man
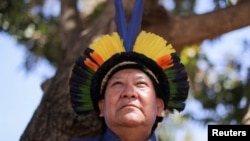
{"x": 130, "y": 105}
{"x": 128, "y": 78}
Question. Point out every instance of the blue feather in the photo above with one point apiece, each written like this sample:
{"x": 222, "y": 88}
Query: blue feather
{"x": 134, "y": 27}
{"x": 120, "y": 19}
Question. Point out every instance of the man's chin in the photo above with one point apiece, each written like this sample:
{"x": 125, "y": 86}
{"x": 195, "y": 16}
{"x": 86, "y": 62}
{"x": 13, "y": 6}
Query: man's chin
{"x": 132, "y": 118}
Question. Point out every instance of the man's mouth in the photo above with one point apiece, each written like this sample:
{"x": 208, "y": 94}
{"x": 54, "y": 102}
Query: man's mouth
{"x": 129, "y": 106}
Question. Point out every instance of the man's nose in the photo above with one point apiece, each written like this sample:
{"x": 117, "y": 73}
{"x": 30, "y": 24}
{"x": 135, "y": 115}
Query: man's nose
{"x": 129, "y": 92}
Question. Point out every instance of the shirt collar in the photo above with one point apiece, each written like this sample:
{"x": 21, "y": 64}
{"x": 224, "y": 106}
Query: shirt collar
{"x": 110, "y": 136}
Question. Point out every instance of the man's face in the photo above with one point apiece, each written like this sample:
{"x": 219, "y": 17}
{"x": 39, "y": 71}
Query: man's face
{"x": 130, "y": 100}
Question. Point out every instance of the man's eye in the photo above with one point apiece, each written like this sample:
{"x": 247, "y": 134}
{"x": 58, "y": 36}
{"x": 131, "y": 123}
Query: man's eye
{"x": 141, "y": 84}
{"x": 117, "y": 83}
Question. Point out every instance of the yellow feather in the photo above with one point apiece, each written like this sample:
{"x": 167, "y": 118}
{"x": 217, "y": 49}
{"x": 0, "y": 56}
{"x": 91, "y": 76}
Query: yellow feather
{"x": 108, "y": 45}
{"x": 152, "y": 45}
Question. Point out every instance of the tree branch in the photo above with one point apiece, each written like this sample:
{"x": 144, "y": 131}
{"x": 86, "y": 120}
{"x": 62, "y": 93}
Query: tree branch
{"x": 181, "y": 31}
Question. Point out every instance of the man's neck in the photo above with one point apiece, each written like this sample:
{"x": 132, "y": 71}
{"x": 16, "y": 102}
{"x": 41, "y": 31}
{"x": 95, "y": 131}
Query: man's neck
{"x": 132, "y": 134}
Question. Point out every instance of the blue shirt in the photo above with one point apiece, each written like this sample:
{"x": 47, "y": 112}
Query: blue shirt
{"x": 109, "y": 136}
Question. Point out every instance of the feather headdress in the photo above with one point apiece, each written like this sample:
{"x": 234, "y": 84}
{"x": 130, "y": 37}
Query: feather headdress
{"x": 129, "y": 47}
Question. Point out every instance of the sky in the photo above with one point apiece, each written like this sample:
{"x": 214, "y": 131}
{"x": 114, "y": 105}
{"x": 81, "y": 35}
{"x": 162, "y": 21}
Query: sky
{"x": 21, "y": 92}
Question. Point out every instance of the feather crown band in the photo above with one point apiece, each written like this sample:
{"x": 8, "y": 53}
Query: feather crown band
{"x": 129, "y": 47}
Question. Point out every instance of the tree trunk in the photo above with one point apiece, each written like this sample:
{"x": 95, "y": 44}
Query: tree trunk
{"x": 54, "y": 118}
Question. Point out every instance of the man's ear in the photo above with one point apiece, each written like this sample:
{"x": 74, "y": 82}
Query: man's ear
{"x": 101, "y": 107}
{"x": 160, "y": 107}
